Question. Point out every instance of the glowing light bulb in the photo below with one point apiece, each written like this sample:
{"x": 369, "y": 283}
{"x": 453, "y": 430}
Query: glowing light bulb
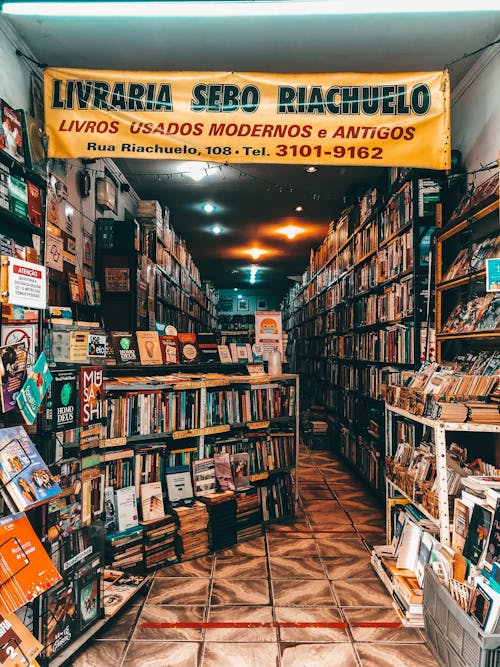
{"x": 216, "y": 229}
{"x": 290, "y": 231}
{"x": 255, "y": 253}
{"x": 208, "y": 208}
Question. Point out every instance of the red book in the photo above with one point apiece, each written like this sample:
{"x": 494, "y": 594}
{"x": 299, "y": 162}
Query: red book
{"x": 91, "y": 395}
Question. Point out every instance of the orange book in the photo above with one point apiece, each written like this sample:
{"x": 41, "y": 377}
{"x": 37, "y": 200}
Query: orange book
{"x": 26, "y": 570}
{"x": 149, "y": 348}
{"x": 17, "y": 644}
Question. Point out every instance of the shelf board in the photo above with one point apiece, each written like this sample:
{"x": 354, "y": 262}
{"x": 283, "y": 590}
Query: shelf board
{"x": 449, "y": 231}
{"x": 23, "y": 223}
{"x": 491, "y": 333}
{"x": 458, "y": 282}
{"x": 395, "y": 234}
{"x": 417, "y": 505}
{"x": 447, "y": 426}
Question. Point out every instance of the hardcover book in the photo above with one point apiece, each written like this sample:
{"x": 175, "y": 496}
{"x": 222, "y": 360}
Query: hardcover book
{"x": 240, "y": 466}
{"x": 58, "y": 618}
{"x": 477, "y": 534}
{"x": 207, "y": 345}
{"x": 224, "y": 354}
{"x": 88, "y": 593}
{"x": 205, "y": 483}
{"x": 26, "y": 480}
{"x": 152, "y": 501}
{"x": 91, "y": 392}
{"x": 126, "y": 508}
{"x": 188, "y": 349}
{"x": 179, "y": 485}
{"x": 493, "y": 546}
{"x": 223, "y": 471}
{"x": 13, "y": 360}
{"x": 149, "y": 348}
{"x": 125, "y": 347}
{"x": 27, "y": 570}
{"x": 76, "y": 288}
{"x": 169, "y": 349}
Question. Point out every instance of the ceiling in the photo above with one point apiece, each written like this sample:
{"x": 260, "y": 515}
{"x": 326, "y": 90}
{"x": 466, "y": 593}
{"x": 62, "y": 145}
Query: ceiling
{"x": 253, "y": 200}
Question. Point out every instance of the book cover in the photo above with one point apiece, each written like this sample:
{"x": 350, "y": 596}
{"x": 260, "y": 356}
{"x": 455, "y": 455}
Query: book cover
{"x": 205, "y": 483}
{"x": 58, "y": 618}
{"x": 240, "y": 467}
{"x": 13, "y": 361}
{"x": 207, "y": 345}
{"x": 110, "y": 521}
{"x": 88, "y": 593}
{"x": 76, "y": 288}
{"x": 169, "y": 349}
{"x": 223, "y": 471}
{"x": 477, "y": 534}
{"x": 91, "y": 392}
{"x": 126, "y": 508}
{"x": 18, "y": 647}
{"x": 152, "y": 501}
{"x": 27, "y": 570}
{"x": 125, "y": 347}
{"x": 11, "y": 136}
{"x": 78, "y": 346}
{"x": 460, "y": 525}
{"x": 493, "y": 546}
{"x": 179, "y": 485}
{"x": 33, "y": 391}
{"x": 25, "y": 478}
{"x": 188, "y": 349}
{"x": 149, "y": 348}
{"x": 224, "y": 354}
{"x": 97, "y": 346}
{"x": 35, "y": 205}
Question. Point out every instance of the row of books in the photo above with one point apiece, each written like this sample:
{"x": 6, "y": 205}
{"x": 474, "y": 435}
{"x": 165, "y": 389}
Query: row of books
{"x": 396, "y": 257}
{"x": 363, "y": 454}
{"x": 472, "y": 258}
{"x": 479, "y": 313}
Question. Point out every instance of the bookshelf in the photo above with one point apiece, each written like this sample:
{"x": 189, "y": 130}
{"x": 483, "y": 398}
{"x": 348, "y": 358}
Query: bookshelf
{"x": 463, "y": 244}
{"x": 147, "y": 275}
{"x": 357, "y": 318}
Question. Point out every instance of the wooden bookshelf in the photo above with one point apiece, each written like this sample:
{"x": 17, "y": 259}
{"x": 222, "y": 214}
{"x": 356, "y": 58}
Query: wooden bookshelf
{"x": 345, "y": 313}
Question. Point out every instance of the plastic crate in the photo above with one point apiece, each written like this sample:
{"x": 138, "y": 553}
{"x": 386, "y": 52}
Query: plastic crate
{"x": 454, "y": 637}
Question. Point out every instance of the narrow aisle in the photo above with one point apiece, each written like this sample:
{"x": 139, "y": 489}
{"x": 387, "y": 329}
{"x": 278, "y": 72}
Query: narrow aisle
{"x": 303, "y": 595}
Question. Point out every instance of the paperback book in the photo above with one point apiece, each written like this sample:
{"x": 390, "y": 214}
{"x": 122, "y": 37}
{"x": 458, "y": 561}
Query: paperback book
{"x": 33, "y": 391}
{"x": 58, "y": 618}
{"x": 91, "y": 392}
{"x": 149, "y": 348}
{"x": 188, "y": 348}
{"x": 125, "y": 347}
{"x": 152, "y": 501}
{"x": 27, "y": 570}
{"x": 61, "y": 403}
{"x": 13, "y": 361}
{"x": 25, "y": 478}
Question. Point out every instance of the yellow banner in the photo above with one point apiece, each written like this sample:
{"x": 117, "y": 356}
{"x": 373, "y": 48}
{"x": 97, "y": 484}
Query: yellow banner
{"x": 336, "y": 119}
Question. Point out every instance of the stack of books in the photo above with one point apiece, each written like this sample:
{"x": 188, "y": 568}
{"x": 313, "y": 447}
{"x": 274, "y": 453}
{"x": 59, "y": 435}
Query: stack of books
{"x": 248, "y": 515}
{"x": 222, "y": 527}
{"x": 193, "y": 530}
{"x": 124, "y": 549}
{"x": 159, "y": 541}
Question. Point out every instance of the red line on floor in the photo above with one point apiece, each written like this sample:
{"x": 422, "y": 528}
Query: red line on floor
{"x": 288, "y": 624}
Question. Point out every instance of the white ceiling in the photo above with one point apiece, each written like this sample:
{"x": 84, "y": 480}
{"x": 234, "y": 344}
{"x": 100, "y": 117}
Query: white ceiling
{"x": 373, "y": 43}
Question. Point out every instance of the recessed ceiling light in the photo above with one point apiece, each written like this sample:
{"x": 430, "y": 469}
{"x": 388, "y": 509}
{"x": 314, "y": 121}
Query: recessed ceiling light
{"x": 311, "y": 170}
{"x": 299, "y": 209}
{"x": 208, "y": 208}
{"x": 290, "y": 231}
{"x": 235, "y": 289}
{"x": 239, "y": 296}
{"x": 255, "y": 253}
{"x": 216, "y": 229}
{"x": 196, "y": 172}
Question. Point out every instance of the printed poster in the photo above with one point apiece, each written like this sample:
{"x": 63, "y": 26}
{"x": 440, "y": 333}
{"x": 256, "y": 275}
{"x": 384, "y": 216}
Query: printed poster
{"x": 268, "y": 331}
{"x": 27, "y": 284}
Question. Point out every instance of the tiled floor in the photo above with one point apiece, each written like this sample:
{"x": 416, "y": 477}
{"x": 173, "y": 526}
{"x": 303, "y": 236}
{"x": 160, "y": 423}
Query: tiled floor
{"x": 304, "y": 595}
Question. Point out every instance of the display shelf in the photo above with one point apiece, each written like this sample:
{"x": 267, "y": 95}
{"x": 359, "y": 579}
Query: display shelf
{"x": 458, "y": 282}
{"x": 448, "y": 231}
{"x": 66, "y": 655}
{"x": 421, "y": 508}
{"x": 486, "y": 334}
{"x": 406, "y": 227}
{"x": 6, "y": 217}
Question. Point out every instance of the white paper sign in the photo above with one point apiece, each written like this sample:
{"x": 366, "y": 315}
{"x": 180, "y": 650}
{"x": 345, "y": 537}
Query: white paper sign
{"x": 27, "y": 284}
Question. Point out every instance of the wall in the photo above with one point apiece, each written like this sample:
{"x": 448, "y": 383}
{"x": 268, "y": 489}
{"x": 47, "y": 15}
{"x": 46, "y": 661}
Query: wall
{"x": 475, "y": 113}
{"x": 14, "y": 72}
{"x": 252, "y": 296}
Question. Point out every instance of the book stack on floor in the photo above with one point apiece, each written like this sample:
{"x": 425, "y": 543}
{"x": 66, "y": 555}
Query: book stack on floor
{"x": 124, "y": 549}
{"x": 159, "y": 541}
{"x": 248, "y": 515}
{"x": 222, "y": 527}
{"x": 193, "y": 530}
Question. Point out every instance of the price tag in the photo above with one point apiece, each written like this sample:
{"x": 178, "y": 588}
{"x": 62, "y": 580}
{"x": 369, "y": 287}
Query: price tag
{"x": 259, "y": 476}
{"x": 257, "y": 425}
{"x": 221, "y": 428}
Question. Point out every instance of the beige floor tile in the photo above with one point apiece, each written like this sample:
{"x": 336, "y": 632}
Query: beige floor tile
{"x": 239, "y": 654}
{"x": 302, "y": 593}
{"x": 319, "y": 655}
{"x": 309, "y": 624}
{"x": 240, "y": 616}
